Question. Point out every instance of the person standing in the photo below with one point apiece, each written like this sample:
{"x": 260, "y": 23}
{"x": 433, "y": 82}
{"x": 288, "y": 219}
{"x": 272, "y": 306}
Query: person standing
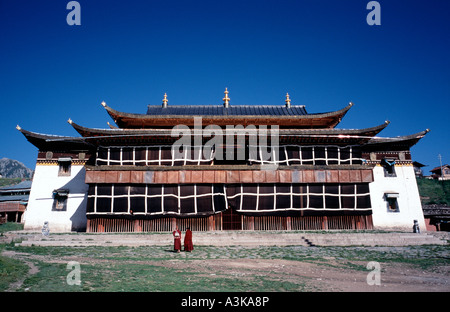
{"x": 177, "y": 240}
{"x": 188, "y": 246}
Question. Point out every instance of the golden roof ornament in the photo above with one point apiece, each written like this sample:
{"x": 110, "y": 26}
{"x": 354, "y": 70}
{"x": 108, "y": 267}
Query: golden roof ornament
{"x": 288, "y": 101}
{"x": 226, "y": 99}
{"x": 165, "y": 100}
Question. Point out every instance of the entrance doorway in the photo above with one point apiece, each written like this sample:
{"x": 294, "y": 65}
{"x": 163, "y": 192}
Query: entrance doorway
{"x": 231, "y": 220}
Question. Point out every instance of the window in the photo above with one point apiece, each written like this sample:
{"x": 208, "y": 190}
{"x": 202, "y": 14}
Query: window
{"x": 389, "y": 169}
{"x": 163, "y": 155}
{"x": 185, "y": 199}
{"x": 311, "y": 155}
{"x": 392, "y": 203}
{"x": 64, "y": 166}
{"x": 60, "y": 200}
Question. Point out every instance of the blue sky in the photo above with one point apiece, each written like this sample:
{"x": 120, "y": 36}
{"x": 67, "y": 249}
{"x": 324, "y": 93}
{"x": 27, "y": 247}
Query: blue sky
{"x": 129, "y": 53}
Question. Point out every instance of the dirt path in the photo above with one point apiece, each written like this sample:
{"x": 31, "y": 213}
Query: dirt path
{"x": 32, "y": 269}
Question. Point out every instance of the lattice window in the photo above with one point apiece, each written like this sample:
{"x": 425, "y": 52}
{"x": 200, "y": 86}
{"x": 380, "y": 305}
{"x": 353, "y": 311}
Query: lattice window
{"x": 162, "y": 155}
{"x": 306, "y": 155}
{"x": 154, "y": 199}
{"x": 206, "y": 199}
{"x": 284, "y": 197}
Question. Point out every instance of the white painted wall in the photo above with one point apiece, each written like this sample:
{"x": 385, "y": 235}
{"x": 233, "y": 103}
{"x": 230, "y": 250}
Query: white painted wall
{"x": 40, "y": 203}
{"x": 408, "y": 201}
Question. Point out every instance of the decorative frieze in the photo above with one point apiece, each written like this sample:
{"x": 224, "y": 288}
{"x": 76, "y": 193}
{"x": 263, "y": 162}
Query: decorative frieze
{"x": 230, "y": 176}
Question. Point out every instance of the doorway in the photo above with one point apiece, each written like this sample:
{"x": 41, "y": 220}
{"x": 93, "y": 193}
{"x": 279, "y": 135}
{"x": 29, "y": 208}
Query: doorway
{"x": 231, "y": 220}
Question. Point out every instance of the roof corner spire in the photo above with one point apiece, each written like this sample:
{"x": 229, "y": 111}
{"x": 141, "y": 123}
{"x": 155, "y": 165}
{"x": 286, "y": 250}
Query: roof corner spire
{"x": 103, "y": 103}
{"x": 226, "y": 99}
{"x": 165, "y": 101}
{"x": 288, "y": 101}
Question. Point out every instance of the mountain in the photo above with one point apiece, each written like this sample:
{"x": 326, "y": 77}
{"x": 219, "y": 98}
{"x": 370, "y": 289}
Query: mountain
{"x": 10, "y": 168}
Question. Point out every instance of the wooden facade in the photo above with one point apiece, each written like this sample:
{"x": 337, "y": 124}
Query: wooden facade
{"x": 226, "y": 222}
{"x": 318, "y": 178}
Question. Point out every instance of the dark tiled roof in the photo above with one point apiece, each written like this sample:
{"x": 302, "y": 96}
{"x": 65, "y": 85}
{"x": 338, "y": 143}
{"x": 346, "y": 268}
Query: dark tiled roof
{"x": 14, "y": 198}
{"x": 22, "y": 185}
{"x": 220, "y": 110}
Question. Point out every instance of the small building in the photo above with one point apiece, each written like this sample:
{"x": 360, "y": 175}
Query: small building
{"x": 441, "y": 172}
{"x": 437, "y": 217}
{"x": 223, "y": 167}
{"x": 418, "y": 169}
{"x": 14, "y": 200}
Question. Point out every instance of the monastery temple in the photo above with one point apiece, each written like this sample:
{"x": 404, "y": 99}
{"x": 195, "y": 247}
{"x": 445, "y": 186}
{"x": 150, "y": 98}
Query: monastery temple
{"x": 277, "y": 168}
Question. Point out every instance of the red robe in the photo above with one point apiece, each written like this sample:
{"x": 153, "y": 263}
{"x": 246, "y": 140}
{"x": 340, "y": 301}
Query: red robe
{"x": 188, "y": 246}
{"x": 177, "y": 240}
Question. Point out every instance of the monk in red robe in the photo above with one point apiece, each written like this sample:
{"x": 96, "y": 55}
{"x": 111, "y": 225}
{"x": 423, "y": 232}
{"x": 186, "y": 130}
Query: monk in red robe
{"x": 188, "y": 246}
{"x": 177, "y": 240}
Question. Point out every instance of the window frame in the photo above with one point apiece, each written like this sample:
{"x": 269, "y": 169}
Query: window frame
{"x": 392, "y": 205}
{"x": 65, "y": 167}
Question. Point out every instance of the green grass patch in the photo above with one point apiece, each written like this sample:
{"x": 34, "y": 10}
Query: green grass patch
{"x": 10, "y": 226}
{"x": 11, "y": 271}
{"x": 434, "y": 191}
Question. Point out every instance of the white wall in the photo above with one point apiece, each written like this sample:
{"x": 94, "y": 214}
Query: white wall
{"x": 40, "y": 203}
{"x": 408, "y": 201}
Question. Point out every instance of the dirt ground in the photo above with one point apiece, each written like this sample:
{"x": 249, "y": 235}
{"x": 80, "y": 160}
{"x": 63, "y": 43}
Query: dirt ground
{"x": 333, "y": 275}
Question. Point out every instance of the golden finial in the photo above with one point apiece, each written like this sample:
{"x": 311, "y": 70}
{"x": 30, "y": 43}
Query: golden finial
{"x": 165, "y": 100}
{"x": 226, "y": 99}
{"x": 288, "y": 101}
{"x": 103, "y": 103}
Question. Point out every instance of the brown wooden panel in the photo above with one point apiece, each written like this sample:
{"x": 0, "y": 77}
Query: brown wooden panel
{"x": 137, "y": 176}
{"x": 344, "y": 176}
{"x": 172, "y": 177}
{"x": 285, "y": 176}
{"x": 259, "y": 176}
{"x": 90, "y": 177}
{"x": 233, "y": 176}
{"x": 332, "y": 176}
{"x": 196, "y": 176}
{"x": 271, "y": 176}
{"x": 95, "y": 177}
{"x": 159, "y": 177}
{"x": 220, "y": 176}
{"x": 124, "y": 177}
{"x": 308, "y": 176}
{"x": 366, "y": 176}
{"x": 208, "y": 176}
{"x": 355, "y": 176}
{"x": 246, "y": 176}
{"x": 184, "y": 176}
{"x": 111, "y": 177}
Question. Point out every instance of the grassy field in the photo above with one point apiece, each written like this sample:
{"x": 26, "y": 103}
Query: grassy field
{"x": 217, "y": 269}
{"x": 207, "y": 269}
